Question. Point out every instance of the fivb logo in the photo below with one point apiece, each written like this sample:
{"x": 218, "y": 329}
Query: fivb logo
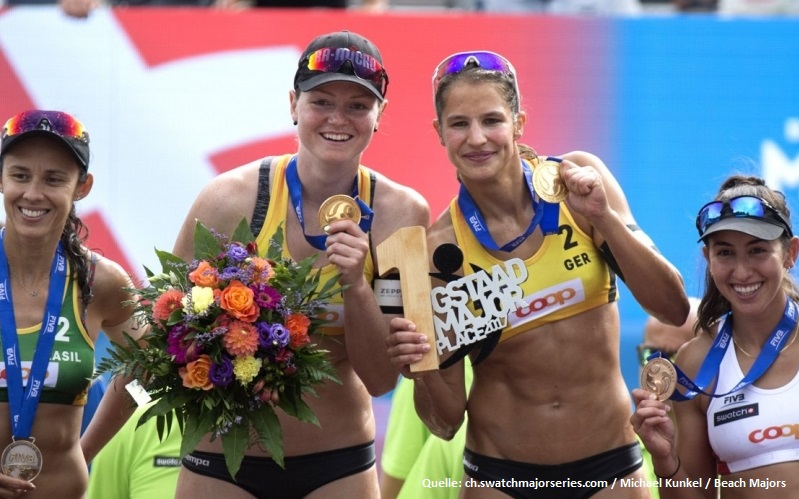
{"x": 3, "y": 293}
{"x": 61, "y": 263}
{"x": 779, "y": 171}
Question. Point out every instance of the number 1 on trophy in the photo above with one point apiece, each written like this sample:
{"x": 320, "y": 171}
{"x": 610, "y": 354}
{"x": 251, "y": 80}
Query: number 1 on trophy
{"x": 406, "y": 251}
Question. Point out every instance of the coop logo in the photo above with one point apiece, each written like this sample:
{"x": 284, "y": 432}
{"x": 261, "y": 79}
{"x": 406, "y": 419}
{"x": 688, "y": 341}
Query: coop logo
{"x": 333, "y": 318}
{"x": 735, "y": 414}
{"x": 775, "y": 432}
{"x": 50, "y": 376}
{"x": 548, "y": 301}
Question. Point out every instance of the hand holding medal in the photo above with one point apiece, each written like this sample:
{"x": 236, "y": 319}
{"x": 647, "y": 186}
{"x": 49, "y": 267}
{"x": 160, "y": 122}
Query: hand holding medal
{"x": 547, "y": 181}
{"x": 339, "y": 207}
{"x": 658, "y": 376}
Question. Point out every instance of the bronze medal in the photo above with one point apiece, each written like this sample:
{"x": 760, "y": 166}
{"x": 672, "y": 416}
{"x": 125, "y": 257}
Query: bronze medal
{"x": 21, "y": 459}
{"x": 339, "y": 207}
{"x": 659, "y": 377}
{"x": 547, "y": 182}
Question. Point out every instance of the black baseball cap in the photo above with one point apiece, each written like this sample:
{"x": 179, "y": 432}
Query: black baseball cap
{"x": 342, "y": 56}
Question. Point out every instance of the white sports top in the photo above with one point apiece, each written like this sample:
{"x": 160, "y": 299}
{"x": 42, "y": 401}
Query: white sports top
{"x": 752, "y": 427}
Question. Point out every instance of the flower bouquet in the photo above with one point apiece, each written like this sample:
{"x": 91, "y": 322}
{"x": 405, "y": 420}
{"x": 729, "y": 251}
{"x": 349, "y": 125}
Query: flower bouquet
{"x": 228, "y": 343}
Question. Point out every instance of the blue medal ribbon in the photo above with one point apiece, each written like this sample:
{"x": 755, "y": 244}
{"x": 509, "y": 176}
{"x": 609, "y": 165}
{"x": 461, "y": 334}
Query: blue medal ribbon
{"x": 549, "y": 214}
{"x": 549, "y": 223}
{"x": 24, "y": 400}
{"x": 295, "y": 193}
{"x": 710, "y": 366}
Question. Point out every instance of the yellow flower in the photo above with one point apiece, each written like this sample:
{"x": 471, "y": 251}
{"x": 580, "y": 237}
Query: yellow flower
{"x": 201, "y": 298}
{"x": 246, "y": 368}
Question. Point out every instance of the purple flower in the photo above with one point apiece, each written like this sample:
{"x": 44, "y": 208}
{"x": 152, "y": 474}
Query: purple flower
{"x": 266, "y": 296}
{"x": 229, "y": 273}
{"x": 180, "y": 347}
{"x": 236, "y": 253}
{"x": 272, "y": 335}
{"x": 221, "y": 373}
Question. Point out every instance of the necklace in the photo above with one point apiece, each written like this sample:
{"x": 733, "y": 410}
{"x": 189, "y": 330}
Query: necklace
{"x": 33, "y": 293}
{"x": 783, "y": 349}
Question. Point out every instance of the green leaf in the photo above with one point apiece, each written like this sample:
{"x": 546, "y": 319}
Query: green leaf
{"x": 206, "y": 245}
{"x": 234, "y": 443}
{"x": 194, "y": 429}
{"x": 275, "y": 249}
{"x": 243, "y": 234}
{"x": 167, "y": 259}
{"x": 270, "y": 435}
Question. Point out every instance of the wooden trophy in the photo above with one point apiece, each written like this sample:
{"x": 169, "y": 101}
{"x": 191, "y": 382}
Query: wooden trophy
{"x": 406, "y": 251}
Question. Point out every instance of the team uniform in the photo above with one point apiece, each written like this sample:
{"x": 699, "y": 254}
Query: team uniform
{"x": 754, "y": 426}
{"x": 71, "y": 363}
{"x": 553, "y": 291}
{"x": 261, "y": 476}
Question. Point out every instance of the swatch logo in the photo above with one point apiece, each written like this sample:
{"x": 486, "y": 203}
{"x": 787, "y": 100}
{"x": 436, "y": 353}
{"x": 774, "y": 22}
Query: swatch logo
{"x": 736, "y": 414}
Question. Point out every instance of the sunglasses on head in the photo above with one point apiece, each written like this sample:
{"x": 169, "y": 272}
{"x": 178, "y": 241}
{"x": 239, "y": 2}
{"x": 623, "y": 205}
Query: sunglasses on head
{"x": 483, "y": 59}
{"x": 644, "y": 351}
{"x": 364, "y": 66}
{"x": 52, "y": 121}
{"x": 740, "y": 207}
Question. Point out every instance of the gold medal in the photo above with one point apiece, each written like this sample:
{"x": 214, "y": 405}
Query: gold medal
{"x": 547, "y": 182}
{"x": 659, "y": 377}
{"x": 21, "y": 459}
{"x": 339, "y": 207}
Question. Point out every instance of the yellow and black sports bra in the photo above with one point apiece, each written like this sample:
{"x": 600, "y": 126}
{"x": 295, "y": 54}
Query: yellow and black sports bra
{"x": 566, "y": 276}
{"x": 270, "y": 214}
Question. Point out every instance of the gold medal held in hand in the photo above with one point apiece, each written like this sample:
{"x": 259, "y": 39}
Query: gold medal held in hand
{"x": 339, "y": 207}
{"x": 21, "y": 459}
{"x": 659, "y": 377}
{"x": 547, "y": 182}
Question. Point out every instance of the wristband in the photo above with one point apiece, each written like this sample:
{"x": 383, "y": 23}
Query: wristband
{"x": 679, "y": 465}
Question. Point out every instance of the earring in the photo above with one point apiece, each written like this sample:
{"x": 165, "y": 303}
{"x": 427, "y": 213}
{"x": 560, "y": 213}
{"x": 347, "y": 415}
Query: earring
{"x": 295, "y": 122}
{"x": 375, "y": 128}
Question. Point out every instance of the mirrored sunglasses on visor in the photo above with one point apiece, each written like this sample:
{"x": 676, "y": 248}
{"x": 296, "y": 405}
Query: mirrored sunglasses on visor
{"x": 740, "y": 207}
{"x": 483, "y": 59}
{"x": 364, "y": 66}
{"x": 52, "y": 121}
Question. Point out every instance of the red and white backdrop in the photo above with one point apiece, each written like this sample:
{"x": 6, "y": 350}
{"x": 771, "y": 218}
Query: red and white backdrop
{"x": 172, "y": 97}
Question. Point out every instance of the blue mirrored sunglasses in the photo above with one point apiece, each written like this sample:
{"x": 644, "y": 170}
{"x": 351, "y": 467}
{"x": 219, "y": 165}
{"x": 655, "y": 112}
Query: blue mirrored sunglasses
{"x": 740, "y": 207}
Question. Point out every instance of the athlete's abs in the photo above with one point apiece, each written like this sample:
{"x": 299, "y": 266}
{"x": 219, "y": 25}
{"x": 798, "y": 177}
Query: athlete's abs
{"x": 558, "y": 384}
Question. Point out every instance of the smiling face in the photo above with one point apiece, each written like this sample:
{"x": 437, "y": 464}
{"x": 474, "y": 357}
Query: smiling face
{"x": 40, "y": 181}
{"x": 336, "y": 121}
{"x": 478, "y": 129}
{"x": 749, "y": 271}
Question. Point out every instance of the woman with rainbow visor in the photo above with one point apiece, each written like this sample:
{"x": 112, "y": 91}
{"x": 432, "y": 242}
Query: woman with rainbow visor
{"x": 736, "y": 430}
{"x": 548, "y": 411}
{"x": 56, "y": 295}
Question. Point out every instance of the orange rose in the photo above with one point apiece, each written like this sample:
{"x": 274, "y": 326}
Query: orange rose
{"x": 298, "y": 324}
{"x": 239, "y": 301}
{"x": 204, "y": 275}
{"x": 195, "y": 374}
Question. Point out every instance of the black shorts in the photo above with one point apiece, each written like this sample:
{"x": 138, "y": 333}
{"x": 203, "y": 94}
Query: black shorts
{"x": 262, "y": 477}
{"x": 606, "y": 466}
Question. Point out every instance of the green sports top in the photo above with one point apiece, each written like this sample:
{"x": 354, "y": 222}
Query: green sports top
{"x": 72, "y": 361}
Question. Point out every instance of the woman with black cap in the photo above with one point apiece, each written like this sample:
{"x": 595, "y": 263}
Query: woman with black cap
{"x": 337, "y": 101}
{"x": 736, "y": 426}
{"x": 55, "y": 297}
